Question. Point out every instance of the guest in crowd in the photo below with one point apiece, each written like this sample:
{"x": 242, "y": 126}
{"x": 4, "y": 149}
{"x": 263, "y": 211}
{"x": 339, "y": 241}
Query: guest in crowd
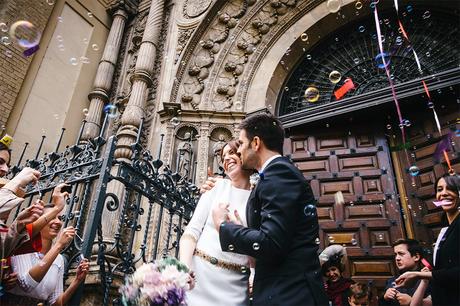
{"x": 5, "y": 154}
{"x": 408, "y": 256}
{"x": 445, "y": 276}
{"x": 337, "y": 286}
{"x": 16, "y": 234}
{"x": 359, "y": 295}
{"x": 41, "y": 274}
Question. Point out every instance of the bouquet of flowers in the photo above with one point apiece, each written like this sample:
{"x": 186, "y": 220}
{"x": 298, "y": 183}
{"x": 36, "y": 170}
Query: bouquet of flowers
{"x": 161, "y": 283}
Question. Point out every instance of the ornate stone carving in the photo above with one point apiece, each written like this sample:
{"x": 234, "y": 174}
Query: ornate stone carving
{"x": 182, "y": 40}
{"x": 219, "y": 137}
{"x": 222, "y": 55}
{"x": 203, "y": 57}
{"x": 194, "y": 8}
{"x": 245, "y": 46}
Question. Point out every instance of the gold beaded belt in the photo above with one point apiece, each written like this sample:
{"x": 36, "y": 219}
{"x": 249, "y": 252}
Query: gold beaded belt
{"x": 222, "y": 264}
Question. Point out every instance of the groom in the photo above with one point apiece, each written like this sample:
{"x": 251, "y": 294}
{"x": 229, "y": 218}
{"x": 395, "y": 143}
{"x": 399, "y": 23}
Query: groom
{"x": 282, "y": 221}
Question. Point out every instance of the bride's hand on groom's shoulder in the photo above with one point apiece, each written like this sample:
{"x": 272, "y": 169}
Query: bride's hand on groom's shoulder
{"x": 210, "y": 182}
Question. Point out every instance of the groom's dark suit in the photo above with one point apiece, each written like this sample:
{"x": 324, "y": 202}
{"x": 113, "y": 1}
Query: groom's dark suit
{"x": 281, "y": 236}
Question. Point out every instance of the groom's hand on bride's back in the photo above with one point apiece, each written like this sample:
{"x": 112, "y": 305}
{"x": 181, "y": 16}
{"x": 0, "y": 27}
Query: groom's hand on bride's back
{"x": 210, "y": 182}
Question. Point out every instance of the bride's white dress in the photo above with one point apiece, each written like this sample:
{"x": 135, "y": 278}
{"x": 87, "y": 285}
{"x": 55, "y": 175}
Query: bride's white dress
{"x": 216, "y": 285}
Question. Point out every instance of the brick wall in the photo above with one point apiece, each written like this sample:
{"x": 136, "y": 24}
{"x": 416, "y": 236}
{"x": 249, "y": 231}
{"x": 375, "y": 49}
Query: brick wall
{"x": 13, "y": 64}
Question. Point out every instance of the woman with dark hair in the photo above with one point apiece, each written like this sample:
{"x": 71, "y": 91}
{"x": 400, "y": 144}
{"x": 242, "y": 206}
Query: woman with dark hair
{"x": 445, "y": 276}
{"x": 337, "y": 286}
{"x": 220, "y": 276}
{"x": 41, "y": 274}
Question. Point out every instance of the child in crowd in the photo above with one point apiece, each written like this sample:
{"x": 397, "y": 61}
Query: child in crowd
{"x": 337, "y": 286}
{"x": 358, "y": 295}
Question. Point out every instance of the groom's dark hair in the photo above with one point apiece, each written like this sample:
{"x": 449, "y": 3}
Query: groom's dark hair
{"x": 268, "y": 128}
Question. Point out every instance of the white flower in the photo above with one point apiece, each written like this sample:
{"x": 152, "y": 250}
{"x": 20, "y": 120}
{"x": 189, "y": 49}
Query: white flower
{"x": 254, "y": 179}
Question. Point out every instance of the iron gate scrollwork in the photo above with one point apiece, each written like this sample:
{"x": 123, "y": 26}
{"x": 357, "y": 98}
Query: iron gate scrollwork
{"x": 147, "y": 209}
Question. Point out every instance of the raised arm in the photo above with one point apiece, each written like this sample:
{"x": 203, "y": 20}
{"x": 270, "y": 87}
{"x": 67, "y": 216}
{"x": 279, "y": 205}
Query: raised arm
{"x": 30, "y": 279}
{"x": 58, "y": 199}
{"x": 64, "y": 297}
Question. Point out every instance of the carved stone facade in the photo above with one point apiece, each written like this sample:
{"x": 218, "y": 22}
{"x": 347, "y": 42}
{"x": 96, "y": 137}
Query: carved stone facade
{"x": 197, "y": 67}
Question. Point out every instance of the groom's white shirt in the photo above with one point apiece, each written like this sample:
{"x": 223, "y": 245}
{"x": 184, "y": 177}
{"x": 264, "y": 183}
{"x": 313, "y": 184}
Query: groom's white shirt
{"x": 267, "y": 162}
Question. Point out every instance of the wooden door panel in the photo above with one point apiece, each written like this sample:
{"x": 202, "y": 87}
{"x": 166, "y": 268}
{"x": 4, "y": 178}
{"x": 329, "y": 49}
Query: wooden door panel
{"x": 420, "y": 189}
{"x": 369, "y": 220}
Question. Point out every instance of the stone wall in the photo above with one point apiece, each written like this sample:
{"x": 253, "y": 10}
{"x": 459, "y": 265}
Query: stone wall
{"x": 13, "y": 64}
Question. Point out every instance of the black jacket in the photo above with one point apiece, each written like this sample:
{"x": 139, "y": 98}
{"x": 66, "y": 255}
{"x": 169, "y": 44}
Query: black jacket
{"x": 445, "y": 284}
{"x": 281, "y": 237}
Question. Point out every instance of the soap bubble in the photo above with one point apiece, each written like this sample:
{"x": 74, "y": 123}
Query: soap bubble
{"x": 84, "y": 60}
{"x": 3, "y": 27}
{"x": 379, "y": 59}
{"x": 238, "y": 105}
{"x": 414, "y": 170}
{"x": 73, "y": 61}
{"x": 334, "y": 5}
{"x": 311, "y": 94}
{"x": 111, "y": 111}
{"x": 335, "y": 77}
{"x": 6, "y": 40}
{"x": 26, "y": 34}
{"x": 174, "y": 121}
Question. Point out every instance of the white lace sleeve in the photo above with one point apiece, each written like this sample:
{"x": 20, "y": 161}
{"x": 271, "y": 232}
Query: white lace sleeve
{"x": 26, "y": 282}
{"x": 59, "y": 289}
{"x": 200, "y": 215}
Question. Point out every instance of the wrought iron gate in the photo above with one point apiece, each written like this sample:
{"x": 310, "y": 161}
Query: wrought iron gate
{"x": 124, "y": 213}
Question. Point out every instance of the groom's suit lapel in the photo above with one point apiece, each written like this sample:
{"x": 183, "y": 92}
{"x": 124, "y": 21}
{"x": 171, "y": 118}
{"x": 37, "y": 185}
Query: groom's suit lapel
{"x": 253, "y": 207}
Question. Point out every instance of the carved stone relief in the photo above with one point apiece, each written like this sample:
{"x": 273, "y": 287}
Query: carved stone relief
{"x": 217, "y": 140}
{"x": 185, "y": 149}
{"x": 239, "y": 53}
{"x": 213, "y": 77}
{"x": 182, "y": 40}
{"x": 194, "y": 8}
{"x": 198, "y": 67}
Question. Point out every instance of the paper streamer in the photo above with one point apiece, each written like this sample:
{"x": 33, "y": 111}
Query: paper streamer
{"x": 435, "y": 115}
{"x": 442, "y": 203}
{"x": 392, "y": 87}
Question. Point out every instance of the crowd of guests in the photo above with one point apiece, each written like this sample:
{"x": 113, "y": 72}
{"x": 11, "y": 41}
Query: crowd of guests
{"x": 421, "y": 281}
{"x": 32, "y": 268}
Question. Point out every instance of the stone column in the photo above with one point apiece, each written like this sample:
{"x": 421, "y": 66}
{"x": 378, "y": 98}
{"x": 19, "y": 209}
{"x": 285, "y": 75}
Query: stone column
{"x": 99, "y": 96}
{"x": 141, "y": 81}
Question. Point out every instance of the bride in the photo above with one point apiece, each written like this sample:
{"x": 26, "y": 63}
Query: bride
{"x": 221, "y": 277}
